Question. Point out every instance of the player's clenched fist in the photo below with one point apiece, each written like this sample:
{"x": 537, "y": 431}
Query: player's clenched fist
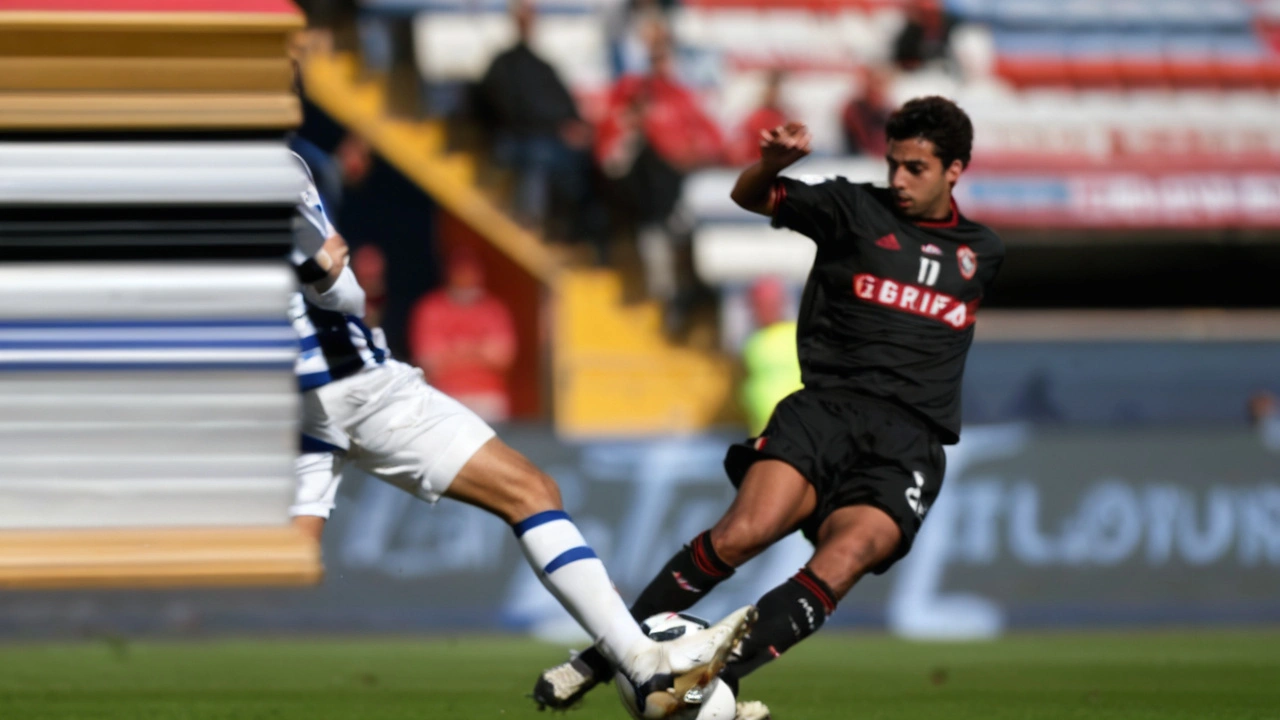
{"x": 784, "y": 144}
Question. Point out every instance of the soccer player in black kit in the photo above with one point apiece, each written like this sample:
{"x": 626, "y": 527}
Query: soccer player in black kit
{"x": 855, "y": 458}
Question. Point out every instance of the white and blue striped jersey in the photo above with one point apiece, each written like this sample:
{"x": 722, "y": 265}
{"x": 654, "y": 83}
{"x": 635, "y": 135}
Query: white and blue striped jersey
{"x": 335, "y": 342}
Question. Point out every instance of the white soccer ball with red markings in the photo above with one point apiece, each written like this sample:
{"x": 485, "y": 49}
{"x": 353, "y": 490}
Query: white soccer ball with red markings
{"x": 718, "y": 701}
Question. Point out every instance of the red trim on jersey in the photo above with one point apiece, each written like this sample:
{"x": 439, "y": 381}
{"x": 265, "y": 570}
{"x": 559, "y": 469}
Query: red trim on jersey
{"x": 950, "y": 222}
{"x": 777, "y": 196}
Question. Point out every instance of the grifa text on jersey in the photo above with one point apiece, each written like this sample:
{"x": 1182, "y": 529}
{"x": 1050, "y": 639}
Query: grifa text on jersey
{"x": 915, "y": 299}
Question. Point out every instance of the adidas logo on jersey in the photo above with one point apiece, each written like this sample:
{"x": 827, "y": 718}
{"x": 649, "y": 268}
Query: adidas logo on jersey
{"x": 889, "y": 242}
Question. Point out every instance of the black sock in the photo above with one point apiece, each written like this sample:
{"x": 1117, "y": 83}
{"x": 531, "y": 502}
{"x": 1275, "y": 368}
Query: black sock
{"x": 686, "y": 578}
{"x": 789, "y": 613}
{"x": 689, "y": 575}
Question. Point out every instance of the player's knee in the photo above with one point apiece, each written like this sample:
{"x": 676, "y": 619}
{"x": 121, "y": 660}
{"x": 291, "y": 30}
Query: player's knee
{"x": 857, "y": 554}
{"x": 534, "y": 492}
{"x": 737, "y": 539}
{"x": 310, "y": 525}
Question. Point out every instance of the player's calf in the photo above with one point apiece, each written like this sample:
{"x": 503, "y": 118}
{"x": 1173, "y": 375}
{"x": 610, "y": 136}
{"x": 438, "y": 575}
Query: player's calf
{"x": 852, "y": 541}
{"x": 789, "y": 613}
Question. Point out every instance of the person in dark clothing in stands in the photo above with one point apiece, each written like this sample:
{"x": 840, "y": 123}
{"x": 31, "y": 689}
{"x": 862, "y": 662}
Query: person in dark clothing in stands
{"x": 924, "y": 37}
{"x": 864, "y": 118}
{"x": 538, "y": 133}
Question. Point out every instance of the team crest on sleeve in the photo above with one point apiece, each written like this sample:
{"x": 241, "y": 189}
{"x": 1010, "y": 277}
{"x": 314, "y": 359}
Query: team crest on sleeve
{"x": 968, "y": 261}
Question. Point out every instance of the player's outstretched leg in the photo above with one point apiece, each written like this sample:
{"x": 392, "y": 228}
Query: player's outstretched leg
{"x": 852, "y": 541}
{"x": 772, "y": 500}
{"x": 504, "y": 482}
{"x": 691, "y": 573}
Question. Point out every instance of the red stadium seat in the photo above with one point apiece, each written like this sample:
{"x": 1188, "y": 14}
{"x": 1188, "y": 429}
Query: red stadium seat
{"x": 1189, "y": 61}
{"x": 1024, "y": 71}
{"x": 1094, "y": 71}
{"x": 1239, "y": 60}
{"x": 1092, "y": 59}
{"x": 1140, "y": 61}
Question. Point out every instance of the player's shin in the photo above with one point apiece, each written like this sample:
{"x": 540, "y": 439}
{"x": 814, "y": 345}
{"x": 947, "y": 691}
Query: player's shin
{"x": 690, "y": 574}
{"x": 569, "y": 568}
{"x": 789, "y": 613}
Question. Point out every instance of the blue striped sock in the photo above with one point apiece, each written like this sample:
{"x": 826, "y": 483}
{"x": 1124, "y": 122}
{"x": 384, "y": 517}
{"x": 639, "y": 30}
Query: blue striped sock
{"x": 570, "y": 569}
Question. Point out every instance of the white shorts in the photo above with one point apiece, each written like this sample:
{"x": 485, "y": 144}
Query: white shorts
{"x": 390, "y": 423}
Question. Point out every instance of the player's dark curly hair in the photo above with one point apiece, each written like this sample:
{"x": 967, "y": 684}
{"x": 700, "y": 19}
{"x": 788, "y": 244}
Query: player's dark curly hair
{"x": 937, "y": 120}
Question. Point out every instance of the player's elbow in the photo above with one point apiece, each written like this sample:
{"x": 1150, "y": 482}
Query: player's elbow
{"x": 750, "y": 199}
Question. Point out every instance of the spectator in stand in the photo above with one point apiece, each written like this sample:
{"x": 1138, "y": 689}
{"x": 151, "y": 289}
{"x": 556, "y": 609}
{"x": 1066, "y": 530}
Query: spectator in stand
{"x": 924, "y": 37}
{"x": 346, "y": 167}
{"x": 633, "y": 27}
{"x": 538, "y": 132}
{"x": 769, "y": 355}
{"x": 655, "y": 133}
{"x": 369, "y": 264}
{"x": 464, "y": 340}
{"x": 864, "y": 118}
{"x": 746, "y": 143}
{"x": 1264, "y": 414}
{"x": 354, "y": 157}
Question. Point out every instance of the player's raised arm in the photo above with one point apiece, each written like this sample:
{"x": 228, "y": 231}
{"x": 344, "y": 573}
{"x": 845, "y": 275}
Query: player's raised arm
{"x": 326, "y": 280}
{"x": 779, "y": 148}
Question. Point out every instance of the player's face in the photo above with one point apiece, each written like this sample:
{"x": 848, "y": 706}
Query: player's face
{"x": 921, "y": 185}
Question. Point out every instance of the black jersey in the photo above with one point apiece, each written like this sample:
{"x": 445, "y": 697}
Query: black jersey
{"x": 890, "y": 303}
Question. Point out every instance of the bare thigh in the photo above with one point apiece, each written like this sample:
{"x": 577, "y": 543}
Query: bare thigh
{"x": 504, "y": 482}
{"x": 772, "y": 501}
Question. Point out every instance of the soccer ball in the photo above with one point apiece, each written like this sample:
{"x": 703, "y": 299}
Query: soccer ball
{"x": 718, "y": 702}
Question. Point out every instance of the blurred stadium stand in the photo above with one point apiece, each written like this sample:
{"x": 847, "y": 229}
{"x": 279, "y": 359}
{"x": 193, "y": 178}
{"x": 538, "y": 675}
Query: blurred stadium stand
{"x": 1126, "y": 150}
{"x": 146, "y": 354}
{"x": 1125, "y": 142}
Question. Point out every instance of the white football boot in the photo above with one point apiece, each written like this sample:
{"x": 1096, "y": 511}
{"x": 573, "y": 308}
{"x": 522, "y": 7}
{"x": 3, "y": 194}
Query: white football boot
{"x": 752, "y": 710}
{"x": 668, "y": 676}
{"x": 562, "y": 686}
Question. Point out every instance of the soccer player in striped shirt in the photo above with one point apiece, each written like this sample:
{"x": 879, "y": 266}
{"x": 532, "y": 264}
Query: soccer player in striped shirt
{"x": 363, "y": 406}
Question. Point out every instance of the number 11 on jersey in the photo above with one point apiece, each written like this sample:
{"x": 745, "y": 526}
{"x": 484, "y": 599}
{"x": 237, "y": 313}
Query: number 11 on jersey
{"x": 929, "y": 269}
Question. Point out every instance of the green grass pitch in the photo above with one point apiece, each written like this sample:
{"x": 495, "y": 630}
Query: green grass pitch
{"x": 1202, "y": 675}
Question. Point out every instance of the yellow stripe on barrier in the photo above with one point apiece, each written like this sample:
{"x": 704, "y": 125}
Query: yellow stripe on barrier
{"x": 148, "y": 111}
{"x": 48, "y": 559}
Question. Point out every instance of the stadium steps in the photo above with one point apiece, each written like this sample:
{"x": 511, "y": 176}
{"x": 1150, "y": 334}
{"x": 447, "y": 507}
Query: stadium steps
{"x": 617, "y": 374}
{"x": 613, "y": 370}
{"x": 416, "y": 148}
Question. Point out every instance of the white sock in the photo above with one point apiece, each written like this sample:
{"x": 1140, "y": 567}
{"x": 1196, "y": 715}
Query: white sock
{"x": 569, "y": 568}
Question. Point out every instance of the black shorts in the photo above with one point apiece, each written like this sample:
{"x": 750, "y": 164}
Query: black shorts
{"x": 855, "y": 450}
